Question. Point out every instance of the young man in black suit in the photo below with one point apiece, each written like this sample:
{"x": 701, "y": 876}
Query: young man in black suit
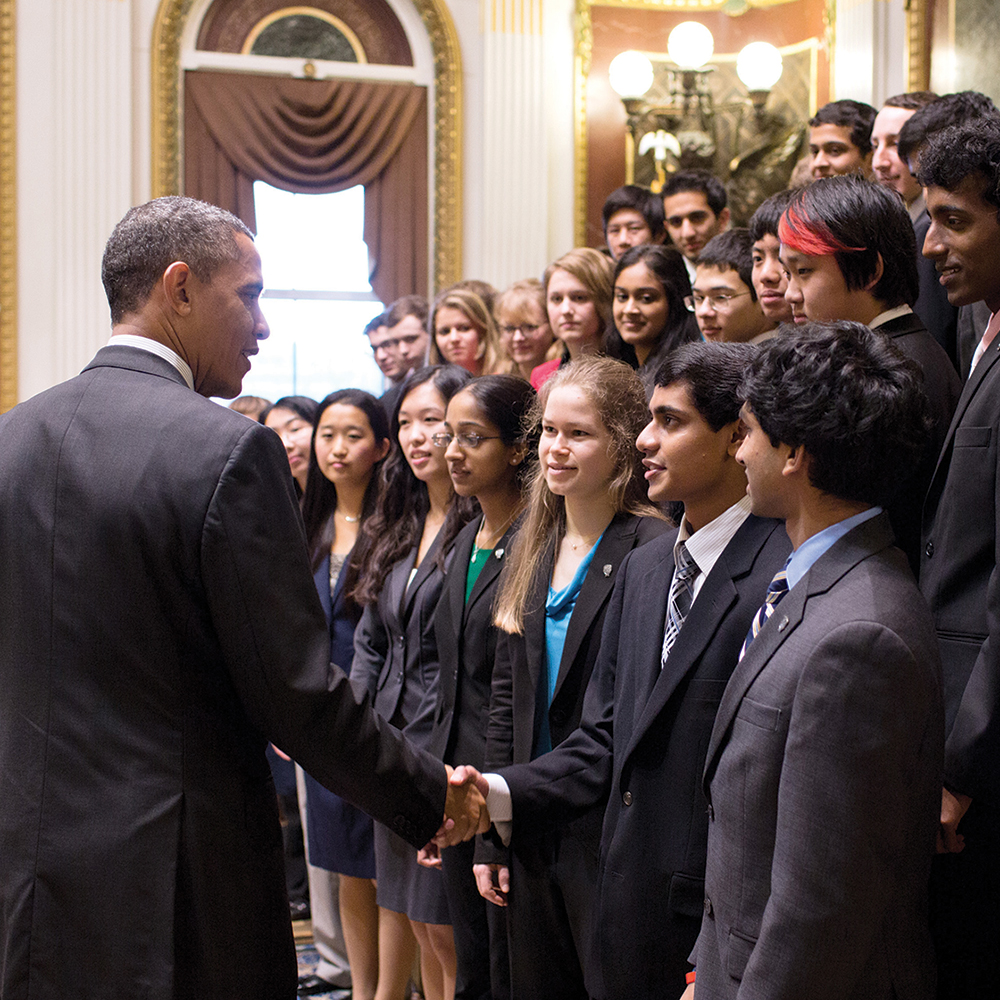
{"x": 823, "y": 767}
{"x": 960, "y": 171}
{"x": 848, "y": 247}
{"x": 678, "y": 615}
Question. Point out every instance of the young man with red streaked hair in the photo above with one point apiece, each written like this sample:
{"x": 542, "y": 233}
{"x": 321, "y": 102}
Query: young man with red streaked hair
{"x": 848, "y": 248}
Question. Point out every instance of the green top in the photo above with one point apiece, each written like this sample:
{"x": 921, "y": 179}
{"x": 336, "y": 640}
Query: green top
{"x": 476, "y": 563}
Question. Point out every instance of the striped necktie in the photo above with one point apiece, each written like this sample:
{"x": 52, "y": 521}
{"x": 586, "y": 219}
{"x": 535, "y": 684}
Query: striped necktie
{"x": 680, "y": 598}
{"x": 776, "y": 590}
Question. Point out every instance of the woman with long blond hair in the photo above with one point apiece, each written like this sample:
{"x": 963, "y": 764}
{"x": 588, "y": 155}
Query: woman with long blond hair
{"x": 587, "y": 509}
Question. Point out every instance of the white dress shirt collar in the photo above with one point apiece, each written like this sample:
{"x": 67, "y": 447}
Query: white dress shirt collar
{"x": 707, "y": 544}
{"x": 154, "y": 347}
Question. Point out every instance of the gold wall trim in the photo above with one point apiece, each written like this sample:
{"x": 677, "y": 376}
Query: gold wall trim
{"x": 446, "y": 223}
{"x": 8, "y": 207}
{"x": 321, "y": 15}
{"x": 918, "y": 63}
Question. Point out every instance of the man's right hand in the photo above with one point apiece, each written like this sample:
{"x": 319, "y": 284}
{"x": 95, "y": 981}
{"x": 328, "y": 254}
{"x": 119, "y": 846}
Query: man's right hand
{"x": 465, "y": 812}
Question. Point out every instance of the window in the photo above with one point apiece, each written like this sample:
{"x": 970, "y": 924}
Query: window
{"x": 317, "y": 299}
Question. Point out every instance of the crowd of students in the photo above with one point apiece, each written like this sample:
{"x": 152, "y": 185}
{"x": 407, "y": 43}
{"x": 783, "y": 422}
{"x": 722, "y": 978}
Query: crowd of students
{"x": 468, "y": 529}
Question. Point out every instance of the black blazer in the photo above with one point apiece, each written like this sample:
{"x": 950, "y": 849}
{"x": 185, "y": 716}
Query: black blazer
{"x": 644, "y": 736}
{"x": 518, "y": 700}
{"x": 459, "y": 701}
{"x": 943, "y": 388}
{"x": 395, "y": 653}
{"x": 159, "y": 625}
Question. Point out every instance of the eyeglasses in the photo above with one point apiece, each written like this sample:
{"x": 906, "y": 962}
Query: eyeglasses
{"x": 527, "y": 329}
{"x": 717, "y": 300}
{"x": 443, "y": 438}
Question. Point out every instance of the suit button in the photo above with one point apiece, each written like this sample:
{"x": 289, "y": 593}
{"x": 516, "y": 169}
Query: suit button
{"x": 711, "y": 812}
{"x": 929, "y": 549}
{"x": 708, "y": 907}
{"x": 627, "y": 798}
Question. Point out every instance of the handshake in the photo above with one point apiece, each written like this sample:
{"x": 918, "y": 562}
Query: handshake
{"x": 465, "y": 812}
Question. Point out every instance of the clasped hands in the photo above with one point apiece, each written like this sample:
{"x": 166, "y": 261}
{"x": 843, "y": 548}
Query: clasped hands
{"x": 465, "y": 813}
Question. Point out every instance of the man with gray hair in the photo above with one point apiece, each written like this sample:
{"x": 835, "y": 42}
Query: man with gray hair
{"x": 160, "y": 625}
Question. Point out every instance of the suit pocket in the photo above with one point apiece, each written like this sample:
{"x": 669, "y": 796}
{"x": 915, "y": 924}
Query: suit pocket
{"x": 760, "y": 715}
{"x": 706, "y": 689}
{"x": 973, "y": 437}
{"x": 687, "y": 895}
{"x": 740, "y": 949}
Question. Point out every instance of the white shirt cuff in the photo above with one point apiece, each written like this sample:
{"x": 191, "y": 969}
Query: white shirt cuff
{"x": 500, "y": 807}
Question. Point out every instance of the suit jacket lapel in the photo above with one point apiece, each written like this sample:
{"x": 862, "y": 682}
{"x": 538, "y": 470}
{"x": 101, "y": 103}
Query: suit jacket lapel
{"x": 862, "y": 541}
{"x": 396, "y": 583}
{"x": 618, "y": 541}
{"x": 425, "y": 569}
{"x": 461, "y": 553}
{"x": 490, "y": 571}
{"x": 971, "y": 387}
{"x": 322, "y": 580}
{"x": 716, "y": 597}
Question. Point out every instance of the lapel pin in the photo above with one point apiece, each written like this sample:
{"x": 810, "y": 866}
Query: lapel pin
{"x": 499, "y": 553}
{"x": 783, "y": 624}
{"x": 607, "y": 569}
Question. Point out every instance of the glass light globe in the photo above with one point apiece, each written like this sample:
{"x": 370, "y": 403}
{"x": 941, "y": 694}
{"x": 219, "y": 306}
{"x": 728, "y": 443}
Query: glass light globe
{"x": 630, "y": 74}
{"x": 690, "y": 45}
{"x": 759, "y": 65}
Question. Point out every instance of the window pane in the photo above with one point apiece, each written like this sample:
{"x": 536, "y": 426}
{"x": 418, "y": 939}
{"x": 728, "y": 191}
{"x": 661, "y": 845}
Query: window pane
{"x": 312, "y": 241}
{"x": 315, "y": 347}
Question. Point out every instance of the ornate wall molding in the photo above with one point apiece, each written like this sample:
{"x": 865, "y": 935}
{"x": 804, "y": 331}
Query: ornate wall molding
{"x": 918, "y": 63}
{"x": 447, "y": 202}
{"x": 8, "y": 208}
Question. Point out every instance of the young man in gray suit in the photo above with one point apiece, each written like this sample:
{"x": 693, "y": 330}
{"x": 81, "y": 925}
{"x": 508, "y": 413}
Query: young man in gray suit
{"x": 960, "y": 171}
{"x": 823, "y": 767}
{"x": 680, "y": 608}
{"x": 160, "y": 625}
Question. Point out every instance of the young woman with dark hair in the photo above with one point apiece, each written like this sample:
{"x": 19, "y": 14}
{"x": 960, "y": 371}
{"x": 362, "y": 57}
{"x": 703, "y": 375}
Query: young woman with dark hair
{"x": 651, "y": 283}
{"x": 349, "y": 443}
{"x": 404, "y": 548}
{"x": 586, "y": 510}
{"x": 292, "y": 419}
{"x": 488, "y": 457}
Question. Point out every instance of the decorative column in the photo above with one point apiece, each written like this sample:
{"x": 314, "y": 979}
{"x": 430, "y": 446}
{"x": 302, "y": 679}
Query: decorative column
{"x": 74, "y": 111}
{"x": 512, "y": 241}
{"x": 869, "y": 57}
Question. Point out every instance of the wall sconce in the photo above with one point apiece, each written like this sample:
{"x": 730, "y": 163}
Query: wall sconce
{"x": 759, "y": 67}
{"x": 679, "y": 119}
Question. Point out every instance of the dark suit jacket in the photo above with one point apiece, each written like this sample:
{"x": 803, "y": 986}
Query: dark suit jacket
{"x": 823, "y": 779}
{"x": 519, "y": 698}
{"x": 943, "y": 388}
{"x": 160, "y": 624}
{"x": 937, "y": 314}
{"x": 459, "y": 701}
{"x": 644, "y": 737}
{"x": 959, "y": 578}
{"x": 395, "y": 653}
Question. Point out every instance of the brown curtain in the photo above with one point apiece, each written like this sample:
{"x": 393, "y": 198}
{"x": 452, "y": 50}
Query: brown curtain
{"x": 317, "y": 136}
